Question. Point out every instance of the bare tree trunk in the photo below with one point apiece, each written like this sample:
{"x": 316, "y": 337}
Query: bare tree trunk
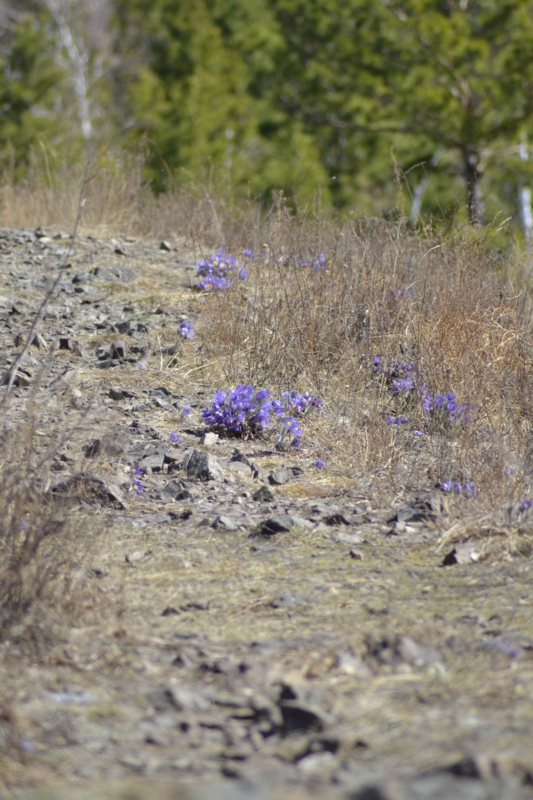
{"x": 419, "y": 189}
{"x": 524, "y": 197}
{"x": 79, "y": 62}
{"x": 472, "y": 175}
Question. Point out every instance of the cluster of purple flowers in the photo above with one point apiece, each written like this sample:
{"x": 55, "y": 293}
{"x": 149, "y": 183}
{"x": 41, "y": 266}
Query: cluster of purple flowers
{"x": 186, "y": 330}
{"x": 320, "y": 262}
{"x": 296, "y": 403}
{"x": 445, "y": 405}
{"x": 240, "y": 409}
{"x": 395, "y": 421}
{"x": 400, "y": 377}
{"x": 219, "y": 271}
{"x": 135, "y": 481}
{"x": 245, "y": 409}
{"x": 467, "y": 489}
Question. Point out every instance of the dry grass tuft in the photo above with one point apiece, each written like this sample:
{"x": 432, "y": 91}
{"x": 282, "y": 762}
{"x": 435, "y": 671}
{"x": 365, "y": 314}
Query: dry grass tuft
{"x": 42, "y": 545}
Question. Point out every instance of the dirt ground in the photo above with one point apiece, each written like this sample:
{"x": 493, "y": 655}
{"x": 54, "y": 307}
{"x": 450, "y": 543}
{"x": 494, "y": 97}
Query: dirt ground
{"x": 251, "y": 625}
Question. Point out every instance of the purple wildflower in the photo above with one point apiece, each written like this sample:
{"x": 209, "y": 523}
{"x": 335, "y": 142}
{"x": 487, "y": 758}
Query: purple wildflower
{"x": 218, "y": 272}
{"x": 319, "y": 463}
{"x": 186, "y": 330}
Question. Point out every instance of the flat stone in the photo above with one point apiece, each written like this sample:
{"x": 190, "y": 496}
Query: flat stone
{"x": 121, "y": 274}
{"x": 209, "y": 438}
{"x": 348, "y": 538}
{"x": 225, "y": 522}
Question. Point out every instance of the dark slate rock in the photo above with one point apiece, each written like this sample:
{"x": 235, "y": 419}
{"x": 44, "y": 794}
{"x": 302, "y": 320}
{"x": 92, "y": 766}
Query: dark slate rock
{"x": 203, "y": 466}
{"x": 146, "y": 449}
{"x": 160, "y": 391}
{"x": 421, "y": 509}
{"x": 92, "y": 449}
{"x": 124, "y": 327}
{"x": 300, "y": 717}
{"x": 336, "y": 519}
{"x": 116, "y": 393}
{"x": 103, "y": 352}
{"x": 174, "y": 490}
{"x": 263, "y": 495}
{"x": 117, "y": 349}
{"x": 281, "y": 523}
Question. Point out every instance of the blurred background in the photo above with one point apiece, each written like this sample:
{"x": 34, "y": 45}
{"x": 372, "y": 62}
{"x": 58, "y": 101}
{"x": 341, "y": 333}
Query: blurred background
{"x": 413, "y": 109}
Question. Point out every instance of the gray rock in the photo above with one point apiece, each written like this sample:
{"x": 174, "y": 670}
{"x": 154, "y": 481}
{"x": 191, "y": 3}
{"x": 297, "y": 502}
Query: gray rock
{"x": 174, "y": 490}
{"x": 288, "y": 600}
{"x": 90, "y": 488}
{"x": 239, "y": 468}
{"x": 118, "y": 349}
{"x": 278, "y": 477}
{"x": 209, "y": 438}
{"x": 225, "y": 522}
{"x": 203, "y": 466}
{"x": 348, "y": 538}
{"x": 351, "y": 665}
{"x": 152, "y": 463}
{"x": 336, "y": 519}
{"x": 263, "y": 495}
{"x": 160, "y": 402}
{"x": 281, "y": 523}
{"x": 299, "y": 717}
{"x": 21, "y": 377}
{"x": 121, "y": 274}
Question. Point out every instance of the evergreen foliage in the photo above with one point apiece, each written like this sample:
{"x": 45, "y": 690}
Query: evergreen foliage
{"x": 29, "y": 81}
{"x": 354, "y": 99}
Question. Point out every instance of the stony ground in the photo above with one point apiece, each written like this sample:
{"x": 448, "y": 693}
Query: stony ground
{"x": 255, "y": 627}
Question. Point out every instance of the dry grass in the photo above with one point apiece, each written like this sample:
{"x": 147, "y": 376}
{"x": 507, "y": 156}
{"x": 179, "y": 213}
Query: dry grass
{"x": 448, "y": 305}
{"x": 43, "y": 547}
